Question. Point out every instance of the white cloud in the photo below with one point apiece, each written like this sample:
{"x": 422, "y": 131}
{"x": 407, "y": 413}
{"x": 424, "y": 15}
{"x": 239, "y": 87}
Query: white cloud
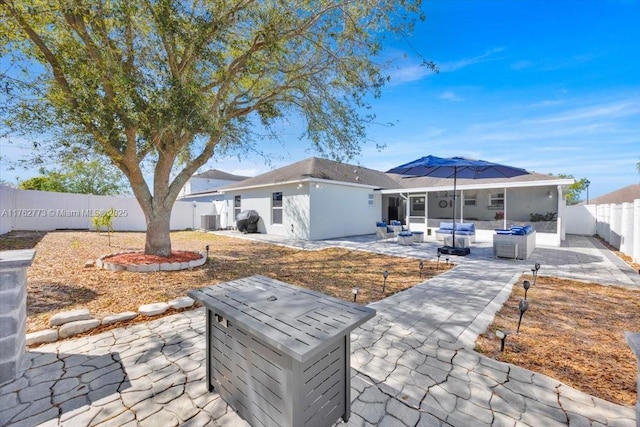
{"x": 449, "y": 96}
{"x": 447, "y": 67}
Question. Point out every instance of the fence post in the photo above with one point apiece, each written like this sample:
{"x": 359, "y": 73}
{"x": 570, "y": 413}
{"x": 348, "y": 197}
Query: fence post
{"x": 13, "y": 312}
{"x": 633, "y": 339}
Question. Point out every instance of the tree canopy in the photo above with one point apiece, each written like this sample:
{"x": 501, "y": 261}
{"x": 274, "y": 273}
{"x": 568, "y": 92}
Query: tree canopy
{"x": 169, "y": 84}
{"x": 78, "y": 176}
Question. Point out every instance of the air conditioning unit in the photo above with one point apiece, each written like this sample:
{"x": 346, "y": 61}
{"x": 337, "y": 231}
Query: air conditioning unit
{"x": 209, "y": 222}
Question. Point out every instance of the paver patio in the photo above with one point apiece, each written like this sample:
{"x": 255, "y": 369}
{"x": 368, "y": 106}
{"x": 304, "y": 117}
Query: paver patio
{"x": 412, "y": 365}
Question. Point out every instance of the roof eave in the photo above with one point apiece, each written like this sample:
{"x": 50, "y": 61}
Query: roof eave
{"x": 480, "y": 186}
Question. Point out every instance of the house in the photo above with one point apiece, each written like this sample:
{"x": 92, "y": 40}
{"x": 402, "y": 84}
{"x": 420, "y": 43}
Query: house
{"x": 203, "y": 187}
{"x": 312, "y": 199}
{"x": 317, "y": 199}
{"x": 624, "y": 195}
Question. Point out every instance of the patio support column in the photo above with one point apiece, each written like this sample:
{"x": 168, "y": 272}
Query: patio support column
{"x": 504, "y": 211}
{"x": 13, "y": 312}
{"x": 461, "y": 206}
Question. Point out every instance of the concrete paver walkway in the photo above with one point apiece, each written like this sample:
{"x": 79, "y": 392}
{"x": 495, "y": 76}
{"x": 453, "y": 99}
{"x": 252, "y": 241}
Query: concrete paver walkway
{"x": 412, "y": 365}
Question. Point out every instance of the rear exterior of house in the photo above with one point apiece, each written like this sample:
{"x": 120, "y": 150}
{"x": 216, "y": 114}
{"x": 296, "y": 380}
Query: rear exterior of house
{"x": 317, "y": 199}
{"x": 313, "y": 199}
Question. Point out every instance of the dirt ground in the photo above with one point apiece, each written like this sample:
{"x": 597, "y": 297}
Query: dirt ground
{"x": 59, "y": 281}
{"x": 574, "y": 332}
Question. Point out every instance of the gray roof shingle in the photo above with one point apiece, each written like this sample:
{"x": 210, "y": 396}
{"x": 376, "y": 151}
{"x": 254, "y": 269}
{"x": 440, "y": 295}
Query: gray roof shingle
{"x": 315, "y": 167}
{"x": 624, "y": 195}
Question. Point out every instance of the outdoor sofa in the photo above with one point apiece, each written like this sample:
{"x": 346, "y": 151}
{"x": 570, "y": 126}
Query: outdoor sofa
{"x": 519, "y": 241}
{"x": 467, "y": 229}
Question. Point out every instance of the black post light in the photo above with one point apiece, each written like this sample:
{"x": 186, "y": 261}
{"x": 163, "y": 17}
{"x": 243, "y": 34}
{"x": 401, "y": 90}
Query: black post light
{"x": 586, "y": 184}
{"x": 447, "y": 259}
{"x": 421, "y": 266}
{"x": 384, "y": 284}
{"x": 503, "y": 336}
{"x": 526, "y": 284}
{"x": 522, "y": 306}
{"x": 207, "y": 248}
{"x": 355, "y": 293}
{"x": 438, "y": 263}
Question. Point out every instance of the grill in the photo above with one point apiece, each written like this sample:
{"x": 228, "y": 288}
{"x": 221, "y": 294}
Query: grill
{"x": 279, "y": 354}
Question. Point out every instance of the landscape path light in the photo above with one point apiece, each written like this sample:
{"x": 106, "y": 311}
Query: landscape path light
{"x": 526, "y": 285}
{"x": 421, "y": 266}
{"x": 384, "y": 284}
{"x": 534, "y": 271}
{"x": 522, "y": 306}
{"x": 503, "y": 336}
{"x": 355, "y": 293}
{"x": 438, "y": 263}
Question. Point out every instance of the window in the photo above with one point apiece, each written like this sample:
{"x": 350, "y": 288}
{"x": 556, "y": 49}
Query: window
{"x": 417, "y": 206}
{"x": 276, "y": 208}
{"x": 236, "y": 207}
{"x": 469, "y": 200}
{"x": 496, "y": 200}
{"x": 371, "y": 199}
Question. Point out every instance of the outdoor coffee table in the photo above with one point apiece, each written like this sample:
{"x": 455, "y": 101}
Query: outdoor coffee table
{"x": 279, "y": 354}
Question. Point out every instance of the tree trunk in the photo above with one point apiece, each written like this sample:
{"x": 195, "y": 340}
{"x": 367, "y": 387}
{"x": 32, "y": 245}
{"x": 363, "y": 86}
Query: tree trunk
{"x": 158, "y": 238}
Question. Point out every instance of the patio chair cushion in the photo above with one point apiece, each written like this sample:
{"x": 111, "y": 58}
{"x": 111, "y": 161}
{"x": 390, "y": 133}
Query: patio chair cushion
{"x": 381, "y": 224}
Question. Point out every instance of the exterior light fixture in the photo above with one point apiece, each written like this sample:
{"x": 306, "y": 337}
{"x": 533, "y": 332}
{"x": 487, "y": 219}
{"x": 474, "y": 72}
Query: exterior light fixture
{"x": 385, "y": 274}
{"x": 534, "y": 272}
{"x": 421, "y": 266}
{"x": 438, "y": 263}
{"x": 526, "y": 284}
{"x": 586, "y": 185}
{"x": 355, "y": 293}
{"x": 503, "y": 336}
{"x": 523, "y": 306}
{"x": 207, "y": 248}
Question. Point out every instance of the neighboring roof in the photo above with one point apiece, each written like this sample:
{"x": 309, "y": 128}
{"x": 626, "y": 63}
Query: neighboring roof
{"x": 624, "y": 195}
{"x": 319, "y": 169}
{"x": 218, "y": 174}
{"x": 530, "y": 179}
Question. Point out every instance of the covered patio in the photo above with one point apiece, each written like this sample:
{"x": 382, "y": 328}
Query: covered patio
{"x": 424, "y": 202}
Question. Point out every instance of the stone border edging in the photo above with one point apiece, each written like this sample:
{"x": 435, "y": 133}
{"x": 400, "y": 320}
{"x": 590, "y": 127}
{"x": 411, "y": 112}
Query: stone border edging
{"x": 146, "y": 268}
{"x": 70, "y": 323}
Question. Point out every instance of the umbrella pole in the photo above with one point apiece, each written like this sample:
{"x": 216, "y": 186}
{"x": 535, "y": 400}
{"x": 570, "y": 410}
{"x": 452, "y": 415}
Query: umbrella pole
{"x": 455, "y": 177}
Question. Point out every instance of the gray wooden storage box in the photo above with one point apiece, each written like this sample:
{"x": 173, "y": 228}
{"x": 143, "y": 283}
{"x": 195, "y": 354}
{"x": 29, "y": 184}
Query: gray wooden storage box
{"x": 279, "y": 354}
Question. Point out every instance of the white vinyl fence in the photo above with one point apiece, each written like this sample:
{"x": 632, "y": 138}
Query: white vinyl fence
{"x": 618, "y": 225}
{"x": 44, "y": 211}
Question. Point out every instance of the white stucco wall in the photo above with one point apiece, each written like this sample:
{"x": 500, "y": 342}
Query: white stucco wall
{"x": 295, "y": 209}
{"x": 338, "y": 211}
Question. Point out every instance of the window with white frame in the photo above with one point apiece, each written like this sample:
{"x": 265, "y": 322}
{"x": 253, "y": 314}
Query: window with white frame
{"x": 469, "y": 199}
{"x": 236, "y": 207}
{"x": 496, "y": 200}
{"x": 417, "y": 206}
{"x": 276, "y": 207}
{"x": 371, "y": 199}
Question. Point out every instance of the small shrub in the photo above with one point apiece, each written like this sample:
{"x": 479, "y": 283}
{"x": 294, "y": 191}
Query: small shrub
{"x": 549, "y": 216}
{"x": 105, "y": 219}
{"x": 499, "y": 216}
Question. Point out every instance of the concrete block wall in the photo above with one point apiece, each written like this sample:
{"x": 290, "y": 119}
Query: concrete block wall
{"x": 13, "y": 312}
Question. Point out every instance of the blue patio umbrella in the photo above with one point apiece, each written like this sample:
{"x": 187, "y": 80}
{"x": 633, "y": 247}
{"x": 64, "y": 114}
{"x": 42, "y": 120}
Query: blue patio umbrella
{"x": 456, "y": 167}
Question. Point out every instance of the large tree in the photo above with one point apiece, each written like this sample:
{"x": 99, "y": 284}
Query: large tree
{"x": 171, "y": 83}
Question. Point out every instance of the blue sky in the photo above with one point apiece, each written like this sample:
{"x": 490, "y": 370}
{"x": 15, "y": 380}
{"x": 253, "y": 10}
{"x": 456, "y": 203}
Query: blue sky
{"x": 549, "y": 86}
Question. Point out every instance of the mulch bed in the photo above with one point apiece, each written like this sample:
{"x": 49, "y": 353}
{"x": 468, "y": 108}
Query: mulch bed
{"x": 574, "y": 332}
{"x": 139, "y": 258}
{"x": 59, "y": 281}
